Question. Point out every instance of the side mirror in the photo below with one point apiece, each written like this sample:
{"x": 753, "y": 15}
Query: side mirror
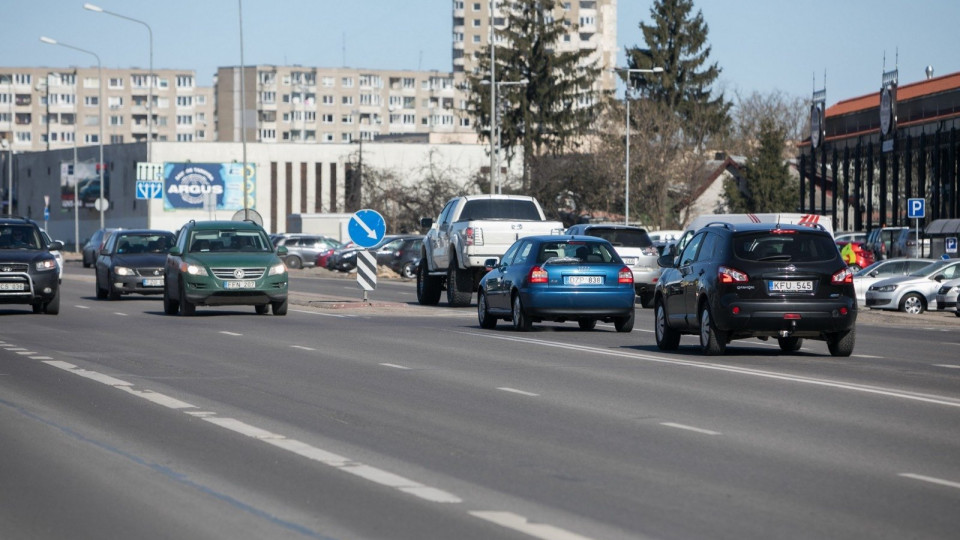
{"x": 875, "y": 273}
{"x": 490, "y": 264}
{"x": 938, "y": 278}
{"x": 426, "y": 222}
{"x": 175, "y": 251}
{"x": 666, "y": 261}
{"x": 282, "y": 251}
{"x": 56, "y": 245}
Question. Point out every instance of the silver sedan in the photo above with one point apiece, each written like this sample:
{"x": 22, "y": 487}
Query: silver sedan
{"x": 913, "y": 293}
{"x": 947, "y": 295}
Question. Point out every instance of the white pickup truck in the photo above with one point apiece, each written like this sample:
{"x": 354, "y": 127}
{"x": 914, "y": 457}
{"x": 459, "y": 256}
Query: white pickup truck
{"x": 470, "y": 230}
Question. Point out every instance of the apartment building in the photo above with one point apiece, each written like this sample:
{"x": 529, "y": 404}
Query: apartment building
{"x": 591, "y": 24}
{"x": 44, "y": 108}
{"x": 295, "y": 104}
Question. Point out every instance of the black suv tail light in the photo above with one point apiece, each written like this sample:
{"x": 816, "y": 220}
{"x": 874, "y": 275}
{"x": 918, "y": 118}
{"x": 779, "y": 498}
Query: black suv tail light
{"x": 843, "y": 276}
{"x": 731, "y": 275}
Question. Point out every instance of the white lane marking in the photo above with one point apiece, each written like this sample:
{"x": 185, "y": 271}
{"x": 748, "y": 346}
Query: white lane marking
{"x": 92, "y": 375}
{"x": 889, "y": 392}
{"x": 515, "y": 391}
{"x": 230, "y": 333}
{"x": 243, "y": 428}
{"x": 337, "y": 315}
{"x": 643, "y": 330}
{"x": 11, "y": 348}
{"x": 78, "y": 306}
{"x": 948, "y": 366}
{"x": 120, "y": 314}
{"x": 41, "y": 358}
{"x": 690, "y": 428}
{"x": 523, "y": 525}
{"x": 26, "y": 353}
{"x": 931, "y": 479}
{"x": 395, "y": 366}
{"x": 866, "y": 356}
{"x": 158, "y": 398}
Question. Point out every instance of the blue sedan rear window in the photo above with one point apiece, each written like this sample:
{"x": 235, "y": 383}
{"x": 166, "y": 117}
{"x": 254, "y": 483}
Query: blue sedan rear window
{"x": 579, "y": 251}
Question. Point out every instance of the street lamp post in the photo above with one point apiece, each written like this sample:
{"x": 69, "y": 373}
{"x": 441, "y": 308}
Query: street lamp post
{"x": 100, "y": 165}
{"x": 493, "y": 94}
{"x": 98, "y": 9}
{"x": 495, "y": 152}
{"x": 626, "y": 161}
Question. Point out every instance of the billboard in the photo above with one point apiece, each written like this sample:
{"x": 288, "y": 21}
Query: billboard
{"x": 86, "y": 178}
{"x": 207, "y": 186}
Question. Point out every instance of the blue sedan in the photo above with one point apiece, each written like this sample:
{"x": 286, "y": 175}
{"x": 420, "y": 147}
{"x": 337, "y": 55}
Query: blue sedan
{"x": 557, "y": 278}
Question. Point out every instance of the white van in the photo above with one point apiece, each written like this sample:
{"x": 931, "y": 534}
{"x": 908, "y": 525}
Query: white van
{"x": 810, "y": 220}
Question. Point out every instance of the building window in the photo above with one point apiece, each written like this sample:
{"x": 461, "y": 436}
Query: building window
{"x": 91, "y": 138}
{"x": 327, "y": 99}
{"x": 346, "y": 100}
{"x": 139, "y": 81}
{"x": 201, "y": 100}
{"x": 184, "y": 120}
{"x": 91, "y": 101}
{"x": 201, "y": 134}
{"x": 326, "y": 118}
{"x": 267, "y": 77}
{"x": 328, "y": 82}
{"x": 184, "y": 81}
{"x": 115, "y": 83}
{"x": 116, "y": 139}
{"x": 116, "y": 120}
{"x": 115, "y": 102}
{"x": 184, "y": 101}
{"x": 267, "y": 135}
{"x": 268, "y": 98}
{"x": 346, "y": 82}
{"x": 184, "y": 137}
{"x": 163, "y": 103}
{"x": 91, "y": 82}
{"x": 22, "y": 78}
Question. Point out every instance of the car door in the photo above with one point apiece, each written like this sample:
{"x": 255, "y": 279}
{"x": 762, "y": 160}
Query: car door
{"x": 437, "y": 250}
{"x": 498, "y": 294}
{"x": 700, "y": 279}
{"x": 103, "y": 258}
{"x": 678, "y": 305}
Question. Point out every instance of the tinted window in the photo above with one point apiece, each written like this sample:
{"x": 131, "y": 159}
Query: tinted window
{"x": 508, "y": 256}
{"x": 132, "y": 244}
{"x": 622, "y": 237}
{"x": 793, "y": 246}
{"x": 913, "y": 266}
{"x": 690, "y": 251}
{"x": 19, "y": 237}
{"x": 228, "y": 240}
{"x": 711, "y": 245}
{"x": 577, "y": 249}
{"x": 484, "y": 209}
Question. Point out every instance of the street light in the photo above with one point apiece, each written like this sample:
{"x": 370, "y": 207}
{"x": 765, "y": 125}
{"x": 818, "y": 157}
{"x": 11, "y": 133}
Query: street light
{"x": 100, "y": 164}
{"x": 495, "y": 175}
{"x": 626, "y": 161}
{"x": 98, "y": 9}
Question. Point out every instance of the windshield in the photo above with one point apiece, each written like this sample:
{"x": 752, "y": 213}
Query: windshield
{"x": 509, "y": 209}
{"x": 131, "y": 244}
{"x": 784, "y": 246}
{"x": 19, "y": 237}
{"x": 622, "y": 237}
{"x": 871, "y": 268}
{"x": 228, "y": 240}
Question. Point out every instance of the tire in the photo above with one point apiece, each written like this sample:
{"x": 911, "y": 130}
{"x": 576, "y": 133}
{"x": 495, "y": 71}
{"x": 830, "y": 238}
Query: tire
{"x": 101, "y": 293}
{"x": 668, "y": 339}
{"x": 37, "y": 308}
{"x": 279, "y": 308}
{"x": 646, "y": 300}
{"x": 409, "y": 270}
{"x": 262, "y": 309}
{"x": 428, "y": 287}
{"x": 790, "y": 344}
{"x": 53, "y": 306}
{"x": 112, "y": 292}
{"x": 521, "y": 322}
{"x": 957, "y": 312}
{"x": 187, "y": 308}
{"x": 170, "y": 306}
{"x": 459, "y": 285}
{"x": 713, "y": 342}
{"x": 913, "y": 303}
{"x": 587, "y": 324}
{"x": 483, "y": 316}
{"x": 841, "y": 343}
{"x": 293, "y": 262}
{"x": 625, "y": 324}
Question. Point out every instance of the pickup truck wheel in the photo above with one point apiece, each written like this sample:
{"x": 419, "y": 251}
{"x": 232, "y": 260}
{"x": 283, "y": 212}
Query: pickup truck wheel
{"x": 428, "y": 287}
{"x": 459, "y": 285}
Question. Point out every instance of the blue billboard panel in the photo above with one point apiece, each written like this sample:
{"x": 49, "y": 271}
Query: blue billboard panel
{"x": 213, "y": 186}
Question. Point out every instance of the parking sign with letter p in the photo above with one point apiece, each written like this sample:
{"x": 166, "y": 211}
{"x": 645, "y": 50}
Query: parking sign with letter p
{"x": 916, "y": 208}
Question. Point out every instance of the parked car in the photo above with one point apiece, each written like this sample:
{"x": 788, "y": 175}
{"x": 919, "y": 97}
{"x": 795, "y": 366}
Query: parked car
{"x": 850, "y": 236}
{"x": 132, "y": 261}
{"x": 92, "y": 246}
{"x": 947, "y": 296}
{"x": 388, "y": 250}
{"x": 302, "y": 249}
{"x": 345, "y": 259}
{"x": 28, "y": 270}
{"x": 224, "y": 263}
{"x": 881, "y": 270}
{"x": 756, "y": 280}
{"x": 880, "y": 240}
{"x": 57, "y": 254}
{"x": 406, "y": 258}
{"x": 855, "y": 254}
{"x": 557, "y": 278}
{"x": 914, "y": 292}
{"x": 635, "y": 247}
{"x": 905, "y": 244}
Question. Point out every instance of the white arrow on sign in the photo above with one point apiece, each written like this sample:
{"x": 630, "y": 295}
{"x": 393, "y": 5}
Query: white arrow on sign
{"x": 370, "y": 232}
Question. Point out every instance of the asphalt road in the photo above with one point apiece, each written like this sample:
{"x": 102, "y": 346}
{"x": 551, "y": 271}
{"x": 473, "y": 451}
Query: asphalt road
{"x": 390, "y": 420}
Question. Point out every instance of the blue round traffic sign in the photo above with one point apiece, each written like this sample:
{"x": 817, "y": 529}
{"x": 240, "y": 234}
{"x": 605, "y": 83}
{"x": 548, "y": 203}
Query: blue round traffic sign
{"x": 366, "y": 228}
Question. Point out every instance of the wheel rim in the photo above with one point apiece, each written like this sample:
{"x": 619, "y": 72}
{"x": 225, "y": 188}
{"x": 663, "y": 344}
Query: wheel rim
{"x": 482, "y": 307}
{"x": 705, "y": 328}
{"x": 661, "y": 323}
{"x": 516, "y": 311}
{"x": 912, "y": 305}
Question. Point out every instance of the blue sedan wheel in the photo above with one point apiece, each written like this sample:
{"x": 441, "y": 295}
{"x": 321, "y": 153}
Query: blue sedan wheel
{"x": 483, "y": 315}
{"x": 521, "y": 322}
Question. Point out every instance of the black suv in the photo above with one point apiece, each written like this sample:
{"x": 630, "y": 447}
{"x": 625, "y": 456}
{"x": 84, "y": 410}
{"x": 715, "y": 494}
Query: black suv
{"x": 737, "y": 281}
{"x": 29, "y": 273}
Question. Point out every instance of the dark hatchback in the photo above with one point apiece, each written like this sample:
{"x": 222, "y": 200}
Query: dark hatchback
{"x": 131, "y": 262}
{"x": 739, "y": 281}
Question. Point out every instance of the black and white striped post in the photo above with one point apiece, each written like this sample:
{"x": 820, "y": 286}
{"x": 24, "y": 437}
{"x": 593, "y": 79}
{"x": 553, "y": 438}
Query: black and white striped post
{"x": 366, "y": 271}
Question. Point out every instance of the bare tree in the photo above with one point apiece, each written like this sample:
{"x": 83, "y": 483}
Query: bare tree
{"x": 788, "y": 114}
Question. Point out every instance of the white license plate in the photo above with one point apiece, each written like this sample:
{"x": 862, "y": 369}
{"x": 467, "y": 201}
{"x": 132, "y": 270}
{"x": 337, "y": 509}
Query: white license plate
{"x": 153, "y": 282}
{"x": 13, "y": 286}
{"x": 583, "y": 280}
{"x": 790, "y": 286}
{"x": 629, "y": 261}
{"x": 239, "y": 284}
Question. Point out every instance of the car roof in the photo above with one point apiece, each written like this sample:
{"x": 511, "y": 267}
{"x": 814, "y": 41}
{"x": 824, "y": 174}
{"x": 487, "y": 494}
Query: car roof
{"x": 764, "y": 227}
{"x": 225, "y": 224}
{"x": 617, "y": 226}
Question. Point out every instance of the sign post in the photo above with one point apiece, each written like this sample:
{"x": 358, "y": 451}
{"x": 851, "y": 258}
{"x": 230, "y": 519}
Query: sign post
{"x": 916, "y": 210}
{"x": 366, "y": 229}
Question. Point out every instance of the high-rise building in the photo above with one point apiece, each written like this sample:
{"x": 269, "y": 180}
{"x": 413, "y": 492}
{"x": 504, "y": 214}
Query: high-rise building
{"x": 50, "y": 108}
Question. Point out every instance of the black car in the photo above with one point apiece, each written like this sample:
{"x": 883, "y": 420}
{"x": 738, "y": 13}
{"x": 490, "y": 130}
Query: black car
{"x": 405, "y": 259}
{"x": 757, "y": 280}
{"x": 92, "y": 246}
{"x": 29, "y": 273}
{"x": 131, "y": 261}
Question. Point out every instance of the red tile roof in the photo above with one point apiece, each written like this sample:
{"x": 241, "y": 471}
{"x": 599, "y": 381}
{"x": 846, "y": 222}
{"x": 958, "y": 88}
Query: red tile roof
{"x": 906, "y": 92}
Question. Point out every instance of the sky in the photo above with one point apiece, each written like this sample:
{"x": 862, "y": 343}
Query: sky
{"x": 760, "y": 45}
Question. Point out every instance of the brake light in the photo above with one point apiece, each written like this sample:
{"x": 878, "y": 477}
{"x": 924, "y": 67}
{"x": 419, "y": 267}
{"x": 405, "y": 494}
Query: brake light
{"x": 783, "y": 231}
{"x": 625, "y": 276}
{"x": 843, "y": 276}
{"x": 537, "y": 275}
{"x": 731, "y": 275}
{"x": 473, "y": 236}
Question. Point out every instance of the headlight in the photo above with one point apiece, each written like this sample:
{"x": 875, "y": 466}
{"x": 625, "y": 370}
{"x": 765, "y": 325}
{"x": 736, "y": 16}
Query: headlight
{"x": 48, "y": 264}
{"x": 277, "y": 269}
{"x": 193, "y": 269}
{"x": 123, "y": 271}
{"x": 884, "y": 288}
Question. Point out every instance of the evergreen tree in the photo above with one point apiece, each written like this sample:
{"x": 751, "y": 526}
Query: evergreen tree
{"x": 768, "y": 186}
{"x": 557, "y": 105}
{"x": 676, "y": 41}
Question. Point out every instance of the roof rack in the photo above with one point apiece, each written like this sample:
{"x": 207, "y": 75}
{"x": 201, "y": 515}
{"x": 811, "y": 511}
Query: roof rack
{"x": 720, "y": 224}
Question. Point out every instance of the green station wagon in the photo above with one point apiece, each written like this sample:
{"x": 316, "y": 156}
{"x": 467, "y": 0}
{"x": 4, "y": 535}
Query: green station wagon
{"x": 224, "y": 263}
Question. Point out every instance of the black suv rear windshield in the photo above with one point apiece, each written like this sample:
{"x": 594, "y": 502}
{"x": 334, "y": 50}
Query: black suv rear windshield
{"x": 622, "y": 237}
{"x": 499, "y": 209}
{"x": 784, "y": 246}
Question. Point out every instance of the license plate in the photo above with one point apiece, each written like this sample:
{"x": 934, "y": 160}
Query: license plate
{"x": 790, "y": 286}
{"x": 239, "y": 284}
{"x": 629, "y": 261}
{"x": 13, "y": 286}
{"x": 153, "y": 282}
{"x": 583, "y": 280}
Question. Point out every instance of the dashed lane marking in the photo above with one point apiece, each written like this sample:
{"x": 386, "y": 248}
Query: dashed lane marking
{"x": 690, "y": 428}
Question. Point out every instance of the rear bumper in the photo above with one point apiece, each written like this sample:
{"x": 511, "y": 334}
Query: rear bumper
{"x": 801, "y": 318}
{"x": 135, "y": 285}
{"x": 566, "y": 303}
